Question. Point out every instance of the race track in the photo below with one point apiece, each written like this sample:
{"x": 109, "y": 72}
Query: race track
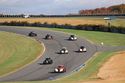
{"x": 71, "y": 61}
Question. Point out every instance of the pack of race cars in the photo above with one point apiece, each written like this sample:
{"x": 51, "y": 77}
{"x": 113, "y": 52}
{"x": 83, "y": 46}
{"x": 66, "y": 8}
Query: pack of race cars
{"x": 64, "y": 50}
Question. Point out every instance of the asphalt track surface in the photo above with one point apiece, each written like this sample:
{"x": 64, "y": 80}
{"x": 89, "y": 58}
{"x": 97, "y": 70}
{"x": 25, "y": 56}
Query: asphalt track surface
{"x": 36, "y": 72}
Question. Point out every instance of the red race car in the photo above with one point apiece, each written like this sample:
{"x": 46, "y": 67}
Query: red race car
{"x": 60, "y": 69}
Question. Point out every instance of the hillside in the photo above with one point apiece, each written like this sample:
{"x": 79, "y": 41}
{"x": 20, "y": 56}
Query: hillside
{"x": 116, "y": 9}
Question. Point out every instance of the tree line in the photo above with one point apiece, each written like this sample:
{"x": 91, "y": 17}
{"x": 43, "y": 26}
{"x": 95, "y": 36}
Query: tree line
{"x": 102, "y": 28}
{"x": 116, "y": 10}
{"x": 13, "y": 16}
{"x": 112, "y": 10}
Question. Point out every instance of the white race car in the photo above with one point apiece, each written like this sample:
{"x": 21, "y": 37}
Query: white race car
{"x": 64, "y": 51}
{"x": 72, "y": 38}
{"x": 82, "y": 49}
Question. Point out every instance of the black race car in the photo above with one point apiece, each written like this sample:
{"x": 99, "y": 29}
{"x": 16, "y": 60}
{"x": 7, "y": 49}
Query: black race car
{"x": 82, "y": 49}
{"x": 48, "y": 61}
{"x": 32, "y": 34}
{"x": 48, "y": 36}
{"x": 64, "y": 50}
{"x": 72, "y": 38}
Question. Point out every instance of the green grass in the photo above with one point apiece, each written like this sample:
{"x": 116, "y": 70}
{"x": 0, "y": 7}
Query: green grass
{"x": 95, "y": 63}
{"x": 92, "y": 66}
{"x": 98, "y": 37}
{"x": 16, "y": 51}
{"x": 86, "y": 73}
{"x": 112, "y": 39}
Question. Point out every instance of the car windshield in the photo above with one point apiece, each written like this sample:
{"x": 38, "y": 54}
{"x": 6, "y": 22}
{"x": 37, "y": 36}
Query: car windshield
{"x": 72, "y": 35}
{"x": 61, "y": 66}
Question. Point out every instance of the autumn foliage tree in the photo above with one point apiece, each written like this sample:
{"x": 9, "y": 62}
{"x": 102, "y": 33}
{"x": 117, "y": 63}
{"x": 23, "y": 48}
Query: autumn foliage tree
{"x": 116, "y": 9}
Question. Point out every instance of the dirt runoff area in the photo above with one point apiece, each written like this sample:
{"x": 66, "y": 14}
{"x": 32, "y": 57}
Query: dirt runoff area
{"x": 113, "y": 71}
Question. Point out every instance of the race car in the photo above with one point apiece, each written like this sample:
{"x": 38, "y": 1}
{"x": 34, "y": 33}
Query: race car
{"x": 72, "y": 38}
{"x": 48, "y": 61}
{"x": 48, "y": 36}
{"x": 64, "y": 50}
{"x": 82, "y": 49}
{"x": 32, "y": 34}
{"x": 60, "y": 69}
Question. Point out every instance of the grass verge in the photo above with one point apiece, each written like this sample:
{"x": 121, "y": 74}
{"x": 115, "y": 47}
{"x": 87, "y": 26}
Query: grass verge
{"x": 109, "y": 39}
{"x": 112, "y": 39}
{"x": 86, "y": 73}
{"x": 92, "y": 66}
{"x": 16, "y": 51}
